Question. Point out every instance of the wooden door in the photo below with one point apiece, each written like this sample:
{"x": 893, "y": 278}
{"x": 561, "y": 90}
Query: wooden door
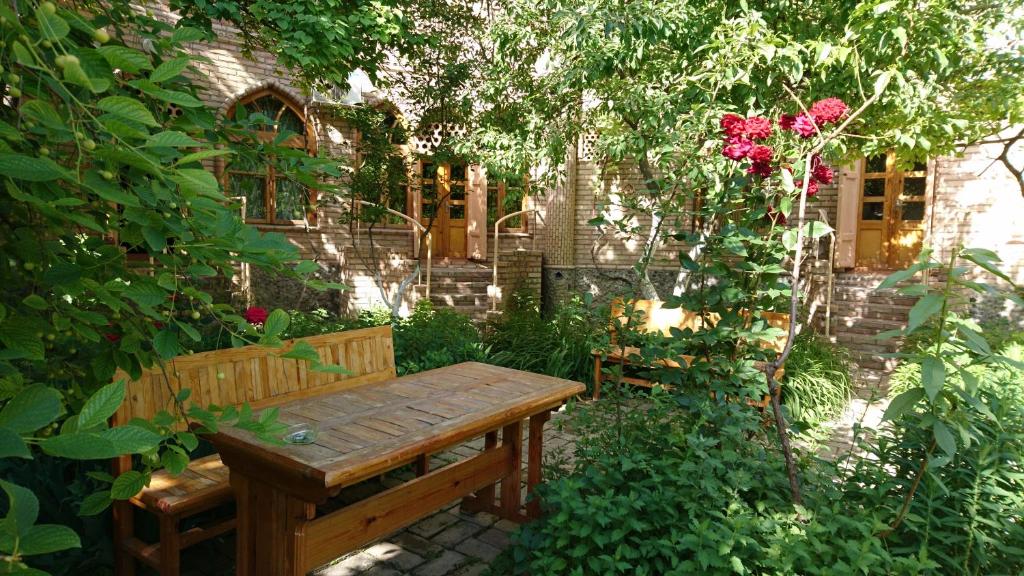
{"x": 890, "y": 227}
{"x": 443, "y": 190}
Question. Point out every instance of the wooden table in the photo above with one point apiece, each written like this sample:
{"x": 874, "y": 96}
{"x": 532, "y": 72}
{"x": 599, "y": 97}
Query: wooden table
{"x": 369, "y": 430}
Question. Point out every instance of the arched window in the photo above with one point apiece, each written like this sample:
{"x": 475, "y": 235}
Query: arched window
{"x": 270, "y": 197}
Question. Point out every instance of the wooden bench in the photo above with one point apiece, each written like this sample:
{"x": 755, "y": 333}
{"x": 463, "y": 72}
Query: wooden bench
{"x": 655, "y": 318}
{"x": 251, "y": 374}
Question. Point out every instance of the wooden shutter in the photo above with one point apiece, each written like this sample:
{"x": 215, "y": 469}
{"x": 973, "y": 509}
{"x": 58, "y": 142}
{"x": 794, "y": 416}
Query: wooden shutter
{"x": 476, "y": 212}
{"x": 847, "y": 216}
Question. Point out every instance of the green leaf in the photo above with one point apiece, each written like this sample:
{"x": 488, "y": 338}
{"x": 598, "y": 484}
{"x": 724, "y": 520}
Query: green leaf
{"x": 302, "y": 350}
{"x": 166, "y": 344}
{"x": 128, "y": 484}
{"x": 33, "y": 408}
{"x": 169, "y": 69}
{"x": 933, "y": 376}
{"x": 12, "y": 445}
{"x": 22, "y": 510}
{"x": 922, "y": 310}
{"x": 944, "y": 438}
{"x": 306, "y": 267}
{"x": 101, "y": 405}
{"x": 146, "y": 293}
{"x": 47, "y": 539}
{"x": 197, "y": 180}
{"x": 109, "y": 191}
{"x": 43, "y": 113}
{"x": 131, "y": 439}
{"x": 52, "y": 26}
{"x": 127, "y": 108}
{"x": 903, "y": 403}
{"x": 79, "y": 446}
{"x": 202, "y": 155}
{"x": 987, "y": 259}
{"x": 175, "y": 462}
{"x": 21, "y": 167}
{"x": 276, "y": 323}
{"x": 127, "y": 59}
{"x": 95, "y": 503}
{"x": 171, "y": 139}
{"x": 35, "y": 301}
{"x": 187, "y": 34}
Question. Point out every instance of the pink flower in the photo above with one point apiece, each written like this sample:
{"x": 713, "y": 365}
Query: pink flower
{"x": 255, "y": 315}
{"x": 737, "y": 148}
{"x": 758, "y": 128}
{"x": 760, "y": 153}
{"x": 762, "y": 169}
{"x": 733, "y": 125}
{"x": 803, "y": 126}
{"x": 822, "y": 174}
{"x": 812, "y": 187}
{"x": 786, "y": 121}
{"x": 828, "y": 111}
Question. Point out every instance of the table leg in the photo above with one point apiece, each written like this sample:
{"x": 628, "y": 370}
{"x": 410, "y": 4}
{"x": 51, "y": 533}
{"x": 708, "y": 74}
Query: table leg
{"x": 483, "y": 499}
{"x": 510, "y": 485}
{"x": 268, "y": 519}
{"x": 597, "y": 377}
{"x": 534, "y": 460}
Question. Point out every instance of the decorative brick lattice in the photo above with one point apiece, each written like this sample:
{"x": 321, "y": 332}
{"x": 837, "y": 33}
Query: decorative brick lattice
{"x": 431, "y": 136}
{"x": 588, "y": 144}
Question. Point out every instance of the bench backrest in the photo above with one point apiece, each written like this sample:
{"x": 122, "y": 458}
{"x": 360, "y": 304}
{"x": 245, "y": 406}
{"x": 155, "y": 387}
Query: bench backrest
{"x": 257, "y": 375}
{"x": 656, "y": 318}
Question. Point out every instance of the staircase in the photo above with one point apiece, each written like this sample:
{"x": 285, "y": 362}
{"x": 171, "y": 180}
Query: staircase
{"x": 460, "y": 286}
{"x": 859, "y": 313}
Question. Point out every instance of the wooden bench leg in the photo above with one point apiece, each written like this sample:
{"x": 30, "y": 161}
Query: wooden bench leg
{"x": 597, "y": 377}
{"x": 483, "y": 499}
{"x": 534, "y": 461}
{"x": 510, "y": 485}
{"x": 422, "y": 465}
{"x": 124, "y": 529}
{"x": 268, "y": 536}
{"x": 170, "y": 546}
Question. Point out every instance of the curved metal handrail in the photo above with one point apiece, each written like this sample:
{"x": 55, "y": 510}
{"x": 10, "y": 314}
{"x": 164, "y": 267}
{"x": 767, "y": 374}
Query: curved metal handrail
{"x": 494, "y": 290}
{"x": 416, "y": 238}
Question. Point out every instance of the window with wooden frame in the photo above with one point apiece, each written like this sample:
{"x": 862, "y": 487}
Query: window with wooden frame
{"x": 507, "y": 197}
{"x": 270, "y": 197}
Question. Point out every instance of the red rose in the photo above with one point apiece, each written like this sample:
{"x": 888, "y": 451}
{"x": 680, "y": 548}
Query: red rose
{"x": 760, "y": 153}
{"x": 762, "y": 169}
{"x": 255, "y": 315}
{"x": 822, "y": 174}
{"x": 737, "y": 148}
{"x": 732, "y": 125}
{"x": 758, "y": 128}
{"x": 803, "y": 126}
{"x": 111, "y": 337}
{"x": 786, "y": 121}
{"x": 812, "y": 187}
{"x": 828, "y": 111}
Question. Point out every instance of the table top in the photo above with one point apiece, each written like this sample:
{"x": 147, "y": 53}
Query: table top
{"x": 373, "y": 428}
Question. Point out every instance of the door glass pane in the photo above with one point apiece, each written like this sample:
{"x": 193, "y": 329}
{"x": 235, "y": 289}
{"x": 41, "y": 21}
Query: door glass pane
{"x": 428, "y": 192}
{"x": 429, "y": 170}
{"x": 875, "y": 164}
{"x": 914, "y": 186}
{"x": 458, "y": 192}
{"x": 874, "y": 187}
{"x": 458, "y": 172}
{"x": 428, "y": 211}
{"x": 912, "y": 211}
{"x": 920, "y": 166}
{"x": 290, "y": 200}
{"x": 457, "y": 212}
{"x": 872, "y": 211}
{"x": 252, "y": 188}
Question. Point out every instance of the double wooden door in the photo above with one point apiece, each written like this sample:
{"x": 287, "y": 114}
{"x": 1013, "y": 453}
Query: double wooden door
{"x": 891, "y": 222}
{"x": 443, "y": 189}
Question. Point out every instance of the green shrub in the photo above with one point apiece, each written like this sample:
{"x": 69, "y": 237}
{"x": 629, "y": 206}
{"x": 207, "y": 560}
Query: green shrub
{"x": 817, "y": 385}
{"x": 435, "y": 337}
{"x": 560, "y": 346}
{"x": 671, "y": 492}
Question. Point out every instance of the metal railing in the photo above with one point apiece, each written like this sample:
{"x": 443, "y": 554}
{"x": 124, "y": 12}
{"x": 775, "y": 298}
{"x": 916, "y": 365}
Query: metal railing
{"x": 416, "y": 237}
{"x": 533, "y": 245}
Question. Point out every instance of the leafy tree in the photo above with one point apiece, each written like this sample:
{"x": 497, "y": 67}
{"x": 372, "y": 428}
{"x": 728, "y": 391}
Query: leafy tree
{"x": 116, "y": 240}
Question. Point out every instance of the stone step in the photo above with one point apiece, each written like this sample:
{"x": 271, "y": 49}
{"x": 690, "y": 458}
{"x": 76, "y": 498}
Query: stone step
{"x": 869, "y": 339}
{"x": 474, "y": 300}
{"x": 881, "y": 312}
{"x": 865, "y": 323}
{"x": 454, "y": 288}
